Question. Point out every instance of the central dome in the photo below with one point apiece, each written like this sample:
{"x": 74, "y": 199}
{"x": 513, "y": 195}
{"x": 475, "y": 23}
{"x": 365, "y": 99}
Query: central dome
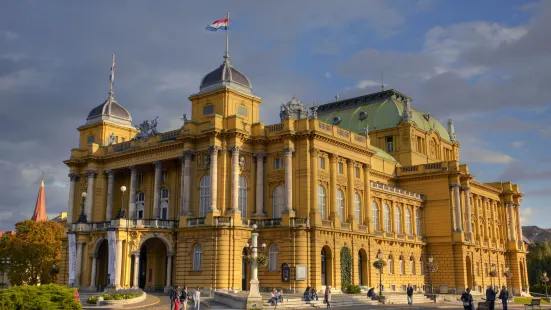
{"x": 225, "y": 76}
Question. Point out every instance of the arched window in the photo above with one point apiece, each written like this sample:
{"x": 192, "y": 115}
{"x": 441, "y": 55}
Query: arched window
{"x": 390, "y": 265}
{"x": 402, "y": 265}
{"x": 340, "y": 204}
{"x": 375, "y": 215}
{"x": 386, "y": 217}
{"x": 418, "y": 222}
{"x": 397, "y": 220}
{"x": 278, "y": 202}
{"x": 164, "y": 204}
{"x": 204, "y": 196}
{"x": 357, "y": 207}
{"x": 273, "y": 257}
{"x": 408, "y": 222}
{"x": 140, "y": 203}
{"x": 197, "y": 256}
{"x": 321, "y": 201}
{"x": 243, "y": 196}
{"x": 411, "y": 265}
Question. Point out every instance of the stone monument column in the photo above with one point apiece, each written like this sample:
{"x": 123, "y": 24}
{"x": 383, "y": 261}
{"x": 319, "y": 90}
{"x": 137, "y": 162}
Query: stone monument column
{"x": 213, "y": 177}
{"x": 110, "y": 183}
{"x": 260, "y": 184}
{"x": 157, "y": 193}
{"x": 71, "y": 203}
{"x": 187, "y": 181}
{"x": 118, "y": 269}
{"x": 132, "y": 194}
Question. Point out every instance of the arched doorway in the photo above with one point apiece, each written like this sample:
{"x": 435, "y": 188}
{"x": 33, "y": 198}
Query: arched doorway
{"x": 244, "y": 272}
{"x": 469, "y": 267}
{"x": 326, "y": 266}
{"x": 102, "y": 278}
{"x": 362, "y": 267}
{"x": 152, "y": 266}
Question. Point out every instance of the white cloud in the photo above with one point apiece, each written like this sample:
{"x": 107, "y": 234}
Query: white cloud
{"x": 23, "y": 78}
{"x": 526, "y": 214}
{"x": 482, "y": 155}
{"x": 179, "y": 80}
{"x": 517, "y": 144}
{"x": 8, "y": 35}
{"x": 368, "y": 83}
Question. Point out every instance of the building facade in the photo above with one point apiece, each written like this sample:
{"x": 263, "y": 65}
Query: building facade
{"x": 328, "y": 187}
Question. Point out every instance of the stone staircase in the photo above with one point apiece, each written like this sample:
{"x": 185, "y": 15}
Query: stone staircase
{"x": 401, "y": 299}
{"x": 340, "y": 300}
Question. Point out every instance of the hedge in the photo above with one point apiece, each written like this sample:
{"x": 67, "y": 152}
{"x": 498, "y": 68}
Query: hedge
{"x": 116, "y": 295}
{"x": 43, "y": 297}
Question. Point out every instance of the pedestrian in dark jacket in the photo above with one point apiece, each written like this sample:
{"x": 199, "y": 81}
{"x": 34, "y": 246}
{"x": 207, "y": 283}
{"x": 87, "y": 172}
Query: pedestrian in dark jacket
{"x": 174, "y": 295}
{"x": 409, "y": 292}
{"x": 491, "y": 297}
{"x": 467, "y": 299}
{"x": 504, "y": 296}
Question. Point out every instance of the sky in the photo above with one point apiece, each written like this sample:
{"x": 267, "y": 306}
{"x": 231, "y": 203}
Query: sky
{"x": 485, "y": 64}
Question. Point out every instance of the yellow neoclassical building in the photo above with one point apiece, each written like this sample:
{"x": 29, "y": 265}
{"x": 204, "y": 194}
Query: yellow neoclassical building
{"x": 328, "y": 187}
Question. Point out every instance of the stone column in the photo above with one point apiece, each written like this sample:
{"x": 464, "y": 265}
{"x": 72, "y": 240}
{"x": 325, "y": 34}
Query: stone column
{"x": 350, "y": 163}
{"x": 288, "y": 180}
{"x": 368, "y": 220}
{"x": 110, "y": 183}
{"x": 71, "y": 204}
{"x": 79, "y": 264}
{"x": 168, "y": 271}
{"x": 91, "y": 174}
{"x": 136, "y": 270}
{"x": 213, "y": 177}
{"x": 187, "y": 181}
{"x": 118, "y": 270}
{"x": 132, "y": 194}
{"x": 519, "y": 229}
{"x": 93, "y": 274}
{"x": 511, "y": 221}
{"x": 182, "y": 183}
{"x": 157, "y": 193}
{"x": 234, "y": 206}
{"x": 260, "y": 184}
{"x": 484, "y": 201}
{"x": 314, "y": 162}
{"x": 494, "y": 225}
{"x": 332, "y": 190}
{"x": 457, "y": 207}
{"x": 467, "y": 191}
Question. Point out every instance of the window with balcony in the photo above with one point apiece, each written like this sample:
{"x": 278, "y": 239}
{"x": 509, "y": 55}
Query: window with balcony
{"x": 357, "y": 207}
{"x": 397, "y": 220}
{"x": 140, "y": 205}
{"x": 375, "y": 215}
{"x": 321, "y": 201}
{"x": 278, "y": 202}
{"x": 204, "y": 195}
{"x": 386, "y": 217}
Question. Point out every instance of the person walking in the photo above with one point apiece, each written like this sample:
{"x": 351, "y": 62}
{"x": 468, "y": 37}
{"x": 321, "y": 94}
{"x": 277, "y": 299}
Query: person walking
{"x": 491, "y": 297}
{"x": 327, "y": 296}
{"x": 409, "y": 292}
{"x": 467, "y": 299}
{"x": 504, "y": 296}
{"x": 184, "y": 297}
{"x": 174, "y": 295}
{"x": 196, "y": 299}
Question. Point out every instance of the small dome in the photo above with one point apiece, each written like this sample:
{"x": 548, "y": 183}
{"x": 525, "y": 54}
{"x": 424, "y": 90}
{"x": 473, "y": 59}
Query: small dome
{"x": 110, "y": 110}
{"x": 225, "y": 76}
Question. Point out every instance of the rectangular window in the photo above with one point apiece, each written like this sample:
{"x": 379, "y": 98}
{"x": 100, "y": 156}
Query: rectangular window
{"x": 390, "y": 144}
{"x": 277, "y": 163}
{"x": 340, "y": 168}
{"x": 357, "y": 172}
{"x": 90, "y": 139}
{"x": 322, "y": 162}
{"x": 419, "y": 145}
{"x": 208, "y": 109}
{"x": 139, "y": 179}
{"x": 241, "y": 110}
{"x": 122, "y": 139}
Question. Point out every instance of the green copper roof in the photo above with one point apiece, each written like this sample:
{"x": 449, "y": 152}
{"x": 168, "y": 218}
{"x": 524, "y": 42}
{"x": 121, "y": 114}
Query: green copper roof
{"x": 383, "y": 155}
{"x": 384, "y": 110}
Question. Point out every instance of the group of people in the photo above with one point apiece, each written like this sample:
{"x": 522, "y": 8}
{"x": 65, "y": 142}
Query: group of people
{"x": 310, "y": 293}
{"x": 180, "y": 297}
{"x": 276, "y": 297}
{"x": 491, "y": 294}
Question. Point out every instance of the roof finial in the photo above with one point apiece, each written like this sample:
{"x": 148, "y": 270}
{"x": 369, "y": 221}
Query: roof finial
{"x": 382, "y": 81}
{"x": 112, "y": 77}
{"x": 227, "y": 55}
{"x": 336, "y": 97}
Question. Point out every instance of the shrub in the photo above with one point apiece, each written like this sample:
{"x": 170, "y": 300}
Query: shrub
{"x": 44, "y": 297}
{"x": 92, "y": 300}
{"x": 116, "y": 295}
{"x": 352, "y": 289}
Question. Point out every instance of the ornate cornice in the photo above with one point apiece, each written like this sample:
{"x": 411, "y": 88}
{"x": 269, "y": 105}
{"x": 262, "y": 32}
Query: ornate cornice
{"x": 74, "y": 177}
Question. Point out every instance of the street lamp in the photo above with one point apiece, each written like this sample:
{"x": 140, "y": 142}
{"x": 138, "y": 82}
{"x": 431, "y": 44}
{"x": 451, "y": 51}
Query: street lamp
{"x": 254, "y": 297}
{"x": 380, "y": 257}
{"x": 545, "y": 280}
{"x": 121, "y": 214}
{"x": 82, "y": 217}
{"x": 431, "y": 259}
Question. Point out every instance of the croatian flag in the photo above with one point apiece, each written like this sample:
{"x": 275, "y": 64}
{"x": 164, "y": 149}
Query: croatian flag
{"x": 219, "y": 24}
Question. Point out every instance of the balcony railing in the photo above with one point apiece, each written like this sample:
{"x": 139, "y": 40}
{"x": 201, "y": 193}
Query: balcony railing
{"x": 194, "y": 222}
{"x": 300, "y": 222}
{"x": 326, "y": 223}
{"x": 223, "y": 221}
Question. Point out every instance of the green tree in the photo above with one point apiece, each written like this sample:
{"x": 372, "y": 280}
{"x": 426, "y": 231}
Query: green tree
{"x": 33, "y": 251}
{"x": 538, "y": 260}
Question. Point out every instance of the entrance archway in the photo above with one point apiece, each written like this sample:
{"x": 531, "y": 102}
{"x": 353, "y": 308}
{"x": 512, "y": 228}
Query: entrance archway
{"x": 326, "y": 266}
{"x": 362, "y": 267}
{"x": 102, "y": 278}
{"x": 153, "y": 265}
{"x": 469, "y": 267}
{"x": 245, "y": 277}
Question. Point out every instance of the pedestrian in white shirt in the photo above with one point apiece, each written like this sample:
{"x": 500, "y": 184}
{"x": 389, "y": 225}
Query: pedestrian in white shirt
{"x": 197, "y": 299}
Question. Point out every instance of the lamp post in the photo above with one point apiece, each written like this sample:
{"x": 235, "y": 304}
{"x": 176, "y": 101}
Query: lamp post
{"x": 254, "y": 299}
{"x": 431, "y": 259}
{"x": 122, "y": 214}
{"x": 545, "y": 280}
{"x": 380, "y": 257}
{"x": 82, "y": 216}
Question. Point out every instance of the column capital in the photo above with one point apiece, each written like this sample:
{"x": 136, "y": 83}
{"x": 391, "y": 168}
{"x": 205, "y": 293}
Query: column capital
{"x": 333, "y": 158}
{"x": 366, "y": 166}
{"x": 158, "y": 164}
{"x": 350, "y": 161}
{"x": 187, "y": 154}
{"x": 288, "y": 150}
{"x": 74, "y": 176}
{"x": 260, "y": 155}
{"x": 516, "y": 204}
{"x": 509, "y": 203}
{"x": 109, "y": 172}
{"x": 455, "y": 186}
{"x": 91, "y": 173}
{"x": 132, "y": 168}
{"x": 465, "y": 188}
{"x": 314, "y": 151}
{"x": 235, "y": 149}
{"x": 213, "y": 149}
{"x": 484, "y": 199}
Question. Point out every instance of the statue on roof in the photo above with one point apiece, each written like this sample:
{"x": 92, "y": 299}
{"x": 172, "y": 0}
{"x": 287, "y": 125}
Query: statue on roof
{"x": 366, "y": 131}
{"x": 147, "y": 130}
{"x": 112, "y": 139}
{"x": 293, "y": 109}
{"x": 314, "y": 109}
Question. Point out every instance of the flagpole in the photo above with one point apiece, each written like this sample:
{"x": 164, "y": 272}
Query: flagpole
{"x": 227, "y": 56}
